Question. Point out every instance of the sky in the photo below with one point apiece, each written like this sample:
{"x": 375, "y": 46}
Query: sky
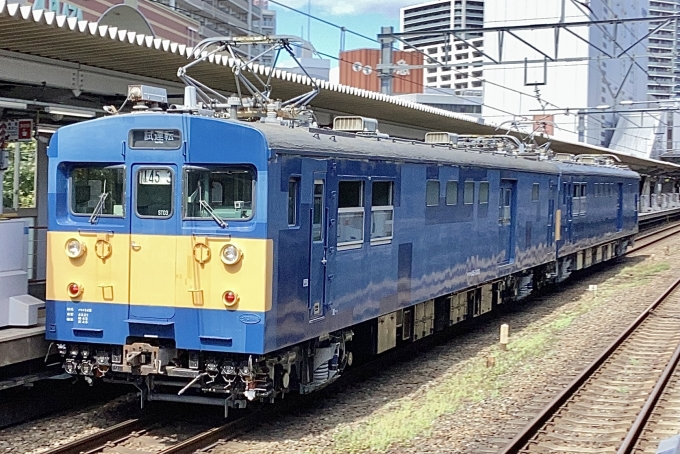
{"x": 362, "y": 16}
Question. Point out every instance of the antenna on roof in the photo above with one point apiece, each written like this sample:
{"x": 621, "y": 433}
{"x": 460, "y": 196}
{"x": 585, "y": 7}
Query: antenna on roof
{"x": 253, "y": 90}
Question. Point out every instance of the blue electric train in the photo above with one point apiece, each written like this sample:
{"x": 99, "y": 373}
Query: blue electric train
{"x": 218, "y": 261}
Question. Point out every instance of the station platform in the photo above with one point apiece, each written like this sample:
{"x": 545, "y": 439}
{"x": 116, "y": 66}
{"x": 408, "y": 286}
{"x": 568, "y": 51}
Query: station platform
{"x": 22, "y": 344}
{"x": 658, "y": 208}
{"x": 652, "y": 216}
{"x": 19, "y": 348}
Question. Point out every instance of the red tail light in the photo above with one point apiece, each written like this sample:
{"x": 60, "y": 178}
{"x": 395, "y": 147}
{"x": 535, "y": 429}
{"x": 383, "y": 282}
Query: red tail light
{"x": 74, "y": 290}
{"x": 230, "y": 298}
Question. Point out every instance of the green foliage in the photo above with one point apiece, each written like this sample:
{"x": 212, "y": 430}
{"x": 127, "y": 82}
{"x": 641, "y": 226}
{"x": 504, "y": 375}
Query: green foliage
{"x": 26, "y": 177}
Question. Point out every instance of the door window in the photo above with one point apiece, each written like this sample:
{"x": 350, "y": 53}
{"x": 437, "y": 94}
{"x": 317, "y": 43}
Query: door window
{"x": 154, "y": 192}
{"x": 504, "y": 206}
{"x": 293, "y": 185}
{"x": 317, "y": 211}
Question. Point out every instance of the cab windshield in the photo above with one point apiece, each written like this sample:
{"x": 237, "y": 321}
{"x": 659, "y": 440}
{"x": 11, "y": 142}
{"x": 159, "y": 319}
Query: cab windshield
{"x": 223, "y": 191}
{"x": 98, "y": 187}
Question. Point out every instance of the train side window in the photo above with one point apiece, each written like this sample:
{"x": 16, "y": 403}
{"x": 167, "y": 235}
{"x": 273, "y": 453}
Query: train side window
{"x": 432, "y": 193}
{"x": 98, "y": 188}
{"x": 451, "y": 192}
{"x": 484, "y": 193}
{"x": 469, "y": 193}
{"x": 293, "y": 197}
{"x": 535, "y": 192}
{"x": 350, "y": 214}
{"x": 317, "y": 211}
{"x": 382, "y": 212}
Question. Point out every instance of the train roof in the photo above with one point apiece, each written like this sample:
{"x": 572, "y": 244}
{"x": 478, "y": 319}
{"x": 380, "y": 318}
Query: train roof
{"x": 329, "y": 143}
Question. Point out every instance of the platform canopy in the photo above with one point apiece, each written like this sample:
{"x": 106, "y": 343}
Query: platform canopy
{"x": 47, "y": 36}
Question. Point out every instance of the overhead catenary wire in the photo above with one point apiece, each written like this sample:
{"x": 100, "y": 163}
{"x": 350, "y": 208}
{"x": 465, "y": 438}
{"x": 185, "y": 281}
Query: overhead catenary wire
{"x": 515, "y": 115}
{"x": 420, "y": 51}
{"x": 440, "y": 64}
{"x": 311, "y": 16}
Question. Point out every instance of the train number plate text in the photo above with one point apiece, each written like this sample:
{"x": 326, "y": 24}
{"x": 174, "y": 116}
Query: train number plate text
{"x": 155, "y": 176}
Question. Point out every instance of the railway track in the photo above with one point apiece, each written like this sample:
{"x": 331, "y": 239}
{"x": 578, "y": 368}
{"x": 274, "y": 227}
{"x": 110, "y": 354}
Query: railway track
{"x": 158, "y": 434}
{"x": 610, "y": 401}
{"x": 647, "y": 238}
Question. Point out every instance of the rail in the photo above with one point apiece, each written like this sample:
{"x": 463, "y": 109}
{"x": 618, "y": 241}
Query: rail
{"x": 99, "y": 440}
{"x": 137, "y": 430}
{"x": 535, "y": 427}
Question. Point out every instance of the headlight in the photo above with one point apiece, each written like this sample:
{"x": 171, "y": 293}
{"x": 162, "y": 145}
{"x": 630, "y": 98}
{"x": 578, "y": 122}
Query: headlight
{"x": 230, "y": 254}
{"x": 74, "y": 248}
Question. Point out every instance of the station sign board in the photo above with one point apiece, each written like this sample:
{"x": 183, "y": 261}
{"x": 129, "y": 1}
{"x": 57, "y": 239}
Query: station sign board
{"x": 16, "y": 130}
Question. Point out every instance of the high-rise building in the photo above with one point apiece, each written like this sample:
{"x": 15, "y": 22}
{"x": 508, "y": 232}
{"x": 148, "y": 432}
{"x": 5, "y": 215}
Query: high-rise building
{"x": 664, "y": 62}
{"x": 464, "y": 64}
{"x": 230, "y": 18}
{"x": 576, "y": 82}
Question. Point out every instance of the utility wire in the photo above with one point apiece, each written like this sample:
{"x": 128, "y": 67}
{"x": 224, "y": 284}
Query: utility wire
{"x": 323, "y": 21}
{"x": 600, "y": 122}
{"x": 420, "y": 84}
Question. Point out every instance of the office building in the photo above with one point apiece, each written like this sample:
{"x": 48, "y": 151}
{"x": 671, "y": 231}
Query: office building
{"x": 461, "y": 64}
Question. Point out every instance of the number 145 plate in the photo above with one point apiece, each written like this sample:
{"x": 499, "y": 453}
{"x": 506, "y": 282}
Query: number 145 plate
{"x": 155, "y": 176}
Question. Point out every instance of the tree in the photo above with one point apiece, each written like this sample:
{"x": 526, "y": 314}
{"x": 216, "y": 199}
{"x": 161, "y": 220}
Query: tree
{"x": 27, "y": 171}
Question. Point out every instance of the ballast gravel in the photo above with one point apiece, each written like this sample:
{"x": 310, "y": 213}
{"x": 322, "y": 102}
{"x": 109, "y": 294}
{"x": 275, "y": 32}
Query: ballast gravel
{"x": 39, "y": 436}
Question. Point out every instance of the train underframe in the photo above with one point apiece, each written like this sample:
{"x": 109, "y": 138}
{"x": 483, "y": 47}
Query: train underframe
{"x": 162, "y": 372}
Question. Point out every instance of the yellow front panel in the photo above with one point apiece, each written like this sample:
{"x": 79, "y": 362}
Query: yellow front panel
{"x": 103, "y": 270}
{"x": 202, "y": 278}
{"x": 162, "y": 270}
{"x": 152, "y": 270}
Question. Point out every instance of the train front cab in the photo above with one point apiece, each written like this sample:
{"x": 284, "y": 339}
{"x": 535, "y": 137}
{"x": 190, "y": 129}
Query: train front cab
{"x": 157, "y": 245}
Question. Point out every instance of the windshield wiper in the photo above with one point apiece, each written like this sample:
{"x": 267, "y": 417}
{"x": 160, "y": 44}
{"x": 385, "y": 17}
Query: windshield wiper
{"x": 99, "y": 208}
{"x": 206, "y": 206}
{"x": 212, "y": 213}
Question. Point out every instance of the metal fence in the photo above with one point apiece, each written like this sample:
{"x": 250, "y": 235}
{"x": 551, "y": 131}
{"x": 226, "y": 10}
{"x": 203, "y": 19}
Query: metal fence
{"x": 37, "y": 254}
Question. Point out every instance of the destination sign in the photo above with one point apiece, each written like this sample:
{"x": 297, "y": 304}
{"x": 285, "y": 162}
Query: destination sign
{"x": 170, "y": 139}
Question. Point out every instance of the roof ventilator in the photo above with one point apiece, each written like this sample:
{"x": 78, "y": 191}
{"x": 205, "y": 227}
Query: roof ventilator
{"x": 361, "y": 126}
{"x": 441, "y": 138}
